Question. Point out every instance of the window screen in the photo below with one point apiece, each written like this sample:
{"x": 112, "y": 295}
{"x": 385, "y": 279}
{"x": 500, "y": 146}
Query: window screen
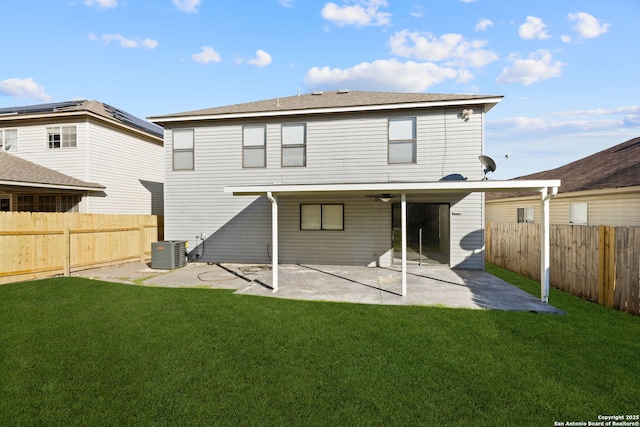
{"x": 253, "y": 144}
{"x": 294, "y": 143}
{"x": 322, "y": 217}
{"x": 183, "y": 143}
{"x": 402, "y": 140}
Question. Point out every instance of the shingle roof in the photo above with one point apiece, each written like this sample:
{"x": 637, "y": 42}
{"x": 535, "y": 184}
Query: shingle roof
{"x": 95, "y": 107}
{"x": 333, "y": 99}
{"x": 19, "y": 172}
{"x": 611, "y": 168}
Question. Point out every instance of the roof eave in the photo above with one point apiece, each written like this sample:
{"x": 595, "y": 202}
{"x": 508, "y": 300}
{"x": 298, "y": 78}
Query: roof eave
{"x": 52, "y": 186}
{"x": 489, "y": 103}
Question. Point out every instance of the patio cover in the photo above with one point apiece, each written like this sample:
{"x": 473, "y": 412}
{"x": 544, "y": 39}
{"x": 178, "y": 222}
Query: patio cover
{"x": 546, "y": 188}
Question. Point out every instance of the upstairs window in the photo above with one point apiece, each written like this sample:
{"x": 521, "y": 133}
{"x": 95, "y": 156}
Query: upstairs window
{"x": 254, "y": 153}
{"x": 62, "y": 137}
{"x": 294, "y": 145}
{"x": 402, "y": 140}
{"x": 525, "y": 214}
{"x": 9, "y": 139}
{"x": 183, "y": 142}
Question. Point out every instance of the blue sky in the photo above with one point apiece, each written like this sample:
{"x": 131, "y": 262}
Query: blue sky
{"x": 568, "y": 69}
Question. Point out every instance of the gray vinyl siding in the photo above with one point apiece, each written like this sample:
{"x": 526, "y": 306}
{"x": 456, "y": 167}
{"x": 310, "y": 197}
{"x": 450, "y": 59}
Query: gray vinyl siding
{"x": 340, "y": 149}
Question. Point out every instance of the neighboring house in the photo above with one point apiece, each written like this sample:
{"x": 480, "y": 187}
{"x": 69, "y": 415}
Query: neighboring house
{"x": 601, "y": 189}
{"x": 35, "y": 188}
{"x": 326, "y": 177}
{"x": 82, "y": 156}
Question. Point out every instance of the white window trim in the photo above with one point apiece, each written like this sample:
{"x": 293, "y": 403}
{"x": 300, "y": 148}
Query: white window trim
{"x": 573, "y": 206}
{"x": 191, "y": 149}
{"x": 302, "y": 145}
{"x": 60, "y": 130}
{"x": 263, "y": 146}
{"x": 3, "y": 137}
{"x": 526, "y": 218}
{"x": 413, "y": 140}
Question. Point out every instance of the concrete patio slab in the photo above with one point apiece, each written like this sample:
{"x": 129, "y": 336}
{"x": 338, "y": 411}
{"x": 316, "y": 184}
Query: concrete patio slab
{"x": 426, "y": 285}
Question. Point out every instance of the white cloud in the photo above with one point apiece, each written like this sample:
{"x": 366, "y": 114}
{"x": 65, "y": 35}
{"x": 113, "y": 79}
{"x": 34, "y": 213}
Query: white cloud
{"x": 102, "y": 4}
{"x": 364, "y": 13}
{"x": 565, "y": 38}
{"x": 187, "y": 6}
{"x": 483, "y": 24}
{"x": 633, "y": 109}
{"x": 534, "y": 28}
{"x": 546, "y": 142}
{"x": 451, "y": 48}
{"x": 262, "y": 59}
{"x": 538, "y": 65}
{"x": 384, "y": 75}
{"x": 23, "y": 88}
{"x": 417, "y": 11}
{"x": 467, "y": 1}
{"x": 124, "y": 42}
{"x": 588, "y": 26}
{"x": 207, "y": 54}
{"x": 286, "y": 3}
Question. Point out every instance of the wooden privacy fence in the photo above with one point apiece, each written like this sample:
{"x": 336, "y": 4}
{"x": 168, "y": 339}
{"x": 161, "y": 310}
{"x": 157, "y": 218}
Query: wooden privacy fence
{"x": 598, "y": 263}
{"x": 38, "y": 244}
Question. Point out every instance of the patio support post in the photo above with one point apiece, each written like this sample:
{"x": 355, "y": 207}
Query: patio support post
{"x": 403, "y": 208}
{"x": 545, "y": 243}
{"x": 274, "y": 240}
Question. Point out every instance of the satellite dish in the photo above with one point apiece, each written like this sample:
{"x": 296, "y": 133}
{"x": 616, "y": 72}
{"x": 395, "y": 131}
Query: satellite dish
{"x": 488, "y": 164}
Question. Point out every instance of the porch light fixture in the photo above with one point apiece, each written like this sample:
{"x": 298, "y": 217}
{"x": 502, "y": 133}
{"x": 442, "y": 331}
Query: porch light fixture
{"x": 385, "y": 198}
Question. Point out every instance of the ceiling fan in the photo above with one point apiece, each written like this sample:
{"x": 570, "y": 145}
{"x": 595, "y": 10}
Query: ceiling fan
{"x": 383, "y": 197}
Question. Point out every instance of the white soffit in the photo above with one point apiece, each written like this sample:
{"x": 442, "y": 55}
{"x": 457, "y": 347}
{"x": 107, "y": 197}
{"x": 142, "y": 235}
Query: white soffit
{"x": 397, "y": 187}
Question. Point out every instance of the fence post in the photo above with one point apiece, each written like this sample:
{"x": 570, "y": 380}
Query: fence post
{"x": 142, "y": 242}
{"x": 606, "y": 265}
{"x": 487, "y": 242}
{"x": 67, "y": 250}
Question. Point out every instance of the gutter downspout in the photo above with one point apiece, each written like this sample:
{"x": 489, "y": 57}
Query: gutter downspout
{"x": 403, "y": 209}
{"x": 274, "y": 240}
{"x": 544, "y": 252}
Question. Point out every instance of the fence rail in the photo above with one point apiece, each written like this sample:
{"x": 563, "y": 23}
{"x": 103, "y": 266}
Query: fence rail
{"x": 598, "y": 263}
{"x": 38, "y": 244}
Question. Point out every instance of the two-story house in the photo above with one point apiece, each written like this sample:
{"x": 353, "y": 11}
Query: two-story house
{"x": 80, "y": 156}
{"x": 341, "y": 177}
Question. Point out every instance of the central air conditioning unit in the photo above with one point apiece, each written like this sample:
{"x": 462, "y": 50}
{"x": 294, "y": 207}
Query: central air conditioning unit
{"x": 168, "y": 254}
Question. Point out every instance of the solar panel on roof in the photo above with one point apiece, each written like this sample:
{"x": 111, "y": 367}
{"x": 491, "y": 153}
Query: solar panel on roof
{"x": 134, "y": 121}
{"x": 40, "y": 107}
{"x": 117, "y": 114}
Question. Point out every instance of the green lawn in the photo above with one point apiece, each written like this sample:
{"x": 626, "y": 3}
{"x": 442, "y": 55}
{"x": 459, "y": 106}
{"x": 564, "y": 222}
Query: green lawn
{"x": 80, "y": 352}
